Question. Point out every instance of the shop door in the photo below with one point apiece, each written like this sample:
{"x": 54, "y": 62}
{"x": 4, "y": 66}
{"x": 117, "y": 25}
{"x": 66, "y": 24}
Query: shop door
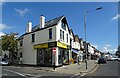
{"x": 40, "y": 56}
{"x": 48, "y": 56}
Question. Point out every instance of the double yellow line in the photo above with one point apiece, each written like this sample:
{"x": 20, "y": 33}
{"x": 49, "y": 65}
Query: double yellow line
{"x": 94, "y": 69}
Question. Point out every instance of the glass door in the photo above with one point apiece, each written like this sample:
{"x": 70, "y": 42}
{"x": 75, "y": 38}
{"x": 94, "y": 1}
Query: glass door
{"x": 48, "y": 56}
{"x": 40, "y": 56}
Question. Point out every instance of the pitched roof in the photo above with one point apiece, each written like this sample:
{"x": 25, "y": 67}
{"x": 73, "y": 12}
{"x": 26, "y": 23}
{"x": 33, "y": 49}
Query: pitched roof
{"x": 49, "y": 23}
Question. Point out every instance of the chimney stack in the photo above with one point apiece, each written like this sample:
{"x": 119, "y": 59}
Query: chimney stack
{"x": 29, "y": 27}
{"x": 42, "y": 21}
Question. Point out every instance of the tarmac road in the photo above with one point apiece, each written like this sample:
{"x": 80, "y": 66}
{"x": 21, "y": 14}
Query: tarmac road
{"x": 108, "y": 70}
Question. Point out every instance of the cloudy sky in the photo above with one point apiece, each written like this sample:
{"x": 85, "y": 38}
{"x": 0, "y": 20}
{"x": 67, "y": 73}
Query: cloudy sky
{"x": 102, "y": 25}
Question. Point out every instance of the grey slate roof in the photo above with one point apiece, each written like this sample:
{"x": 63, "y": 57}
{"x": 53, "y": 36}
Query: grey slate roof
{"x": 49, "y": 23}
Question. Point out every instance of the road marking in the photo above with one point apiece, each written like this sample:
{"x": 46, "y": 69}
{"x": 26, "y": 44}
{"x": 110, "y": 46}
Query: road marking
{"x": 4, "y": 74}
{"x": 15, "y": 72}
{"x": 94, "y": 69}
{"x": 83, "y": 74}
{"x": 23, "y": 74}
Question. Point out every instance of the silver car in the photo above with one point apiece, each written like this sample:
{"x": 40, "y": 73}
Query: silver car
{"x": 4, "y": 62}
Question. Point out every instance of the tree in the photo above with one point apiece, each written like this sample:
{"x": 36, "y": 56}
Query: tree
{"x": 9, "y": 43}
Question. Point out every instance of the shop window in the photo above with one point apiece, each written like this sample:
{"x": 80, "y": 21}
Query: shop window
{"x": 50, "y": 33}
{"x": 21, "y": 55}
{"x": 62, "y": 56}
{"x": 59, "y": 56}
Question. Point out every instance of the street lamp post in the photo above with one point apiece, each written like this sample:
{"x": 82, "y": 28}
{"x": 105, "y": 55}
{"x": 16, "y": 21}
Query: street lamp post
{"x": 85, "y": 32}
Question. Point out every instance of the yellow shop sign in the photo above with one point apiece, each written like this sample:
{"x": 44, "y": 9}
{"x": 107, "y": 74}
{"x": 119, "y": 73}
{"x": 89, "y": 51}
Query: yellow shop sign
{"x": 40, "y": 46}
{"x": 62, "y": 45}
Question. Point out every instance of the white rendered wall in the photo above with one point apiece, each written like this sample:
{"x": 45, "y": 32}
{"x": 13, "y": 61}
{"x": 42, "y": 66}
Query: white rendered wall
{"x": 42, "y": 36}
{"x": 58, "y": 28}
{"x": 29, "y": 54}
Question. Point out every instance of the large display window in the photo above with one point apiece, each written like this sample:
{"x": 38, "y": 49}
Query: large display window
{"x": 63, "y": 55}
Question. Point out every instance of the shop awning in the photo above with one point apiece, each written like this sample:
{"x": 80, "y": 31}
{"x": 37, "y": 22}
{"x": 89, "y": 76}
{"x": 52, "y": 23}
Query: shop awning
{"x": 75, "y": 51}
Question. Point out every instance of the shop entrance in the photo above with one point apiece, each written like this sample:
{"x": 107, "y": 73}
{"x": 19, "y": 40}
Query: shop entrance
{"x": 48, "y": 56}
{"x": 40, "y": 57}
{"x": 44, "y": 56}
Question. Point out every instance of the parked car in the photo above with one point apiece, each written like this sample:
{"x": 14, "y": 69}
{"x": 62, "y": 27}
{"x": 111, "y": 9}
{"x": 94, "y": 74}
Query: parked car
{"x": 4, "y": 62}
{"x": 116, "y": 59}
{"x": 109, "y": 58}
{"x": 102, "y": 60}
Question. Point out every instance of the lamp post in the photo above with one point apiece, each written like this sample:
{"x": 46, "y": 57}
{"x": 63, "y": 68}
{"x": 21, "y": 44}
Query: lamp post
{"x": 85, "y": 31}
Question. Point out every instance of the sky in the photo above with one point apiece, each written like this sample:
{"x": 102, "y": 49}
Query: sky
{"x": 101, "y": 25}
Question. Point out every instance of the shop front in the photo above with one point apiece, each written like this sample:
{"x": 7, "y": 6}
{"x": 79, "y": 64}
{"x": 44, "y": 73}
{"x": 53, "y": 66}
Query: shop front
{"x": 81, "y": 56}
{"x": 75, "y": 55}
{"x": 46, "y": 56}
{"x": 63, "y": 54}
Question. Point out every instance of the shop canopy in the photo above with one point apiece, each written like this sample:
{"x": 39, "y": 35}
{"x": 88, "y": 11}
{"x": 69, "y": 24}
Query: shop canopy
{"x": 75, "y": 51}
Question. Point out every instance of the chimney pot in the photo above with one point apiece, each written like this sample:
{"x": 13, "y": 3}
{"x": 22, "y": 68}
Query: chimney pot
{"x": 29, "y": 27}
{"x": 42, "y": 21}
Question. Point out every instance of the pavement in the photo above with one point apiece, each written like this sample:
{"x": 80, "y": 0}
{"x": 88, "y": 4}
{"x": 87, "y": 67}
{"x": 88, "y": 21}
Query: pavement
{"x": 77, "y": 68}
{"x": 72, "y": 69}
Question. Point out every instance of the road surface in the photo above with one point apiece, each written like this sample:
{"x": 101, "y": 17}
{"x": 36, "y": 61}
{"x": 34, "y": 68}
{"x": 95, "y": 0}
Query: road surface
{"x": 108, "y": 70}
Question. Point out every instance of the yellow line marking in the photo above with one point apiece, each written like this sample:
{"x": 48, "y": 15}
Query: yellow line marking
{"x": 94, "y": 69}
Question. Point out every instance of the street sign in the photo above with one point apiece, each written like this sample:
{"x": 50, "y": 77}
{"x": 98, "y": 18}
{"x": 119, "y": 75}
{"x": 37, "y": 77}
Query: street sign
{"x": 54, "y": 50}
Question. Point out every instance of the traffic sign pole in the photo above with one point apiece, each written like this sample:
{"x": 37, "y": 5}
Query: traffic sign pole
{"x": 54, "y": 52}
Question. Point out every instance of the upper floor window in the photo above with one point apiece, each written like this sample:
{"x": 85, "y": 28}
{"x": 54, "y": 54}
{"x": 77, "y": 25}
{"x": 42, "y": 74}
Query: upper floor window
{"x": 64, "y": 26}
{"x": 67, "y": 38}
{"x": 60, "y": 34}
{"x": 63, "y": 35}
{"x": 33, "y": 37}
{"x": 50, "y": 33}
{"x": 70, "y": 41}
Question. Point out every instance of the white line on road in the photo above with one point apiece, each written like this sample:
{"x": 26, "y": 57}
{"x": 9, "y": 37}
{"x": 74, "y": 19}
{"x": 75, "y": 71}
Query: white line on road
{"x": 83, "y": 74}
{"x": 15, "y": 72}
{"x": 4, "y": 74}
